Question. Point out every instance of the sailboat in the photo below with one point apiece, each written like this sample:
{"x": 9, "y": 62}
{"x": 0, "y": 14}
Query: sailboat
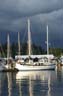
{"x": 30, "y": 60}
{"x": 48, "y": 58}
{"x": 19, "y": 59}
{"x": 30, "y": 65}
{"x": 9, "y": 63}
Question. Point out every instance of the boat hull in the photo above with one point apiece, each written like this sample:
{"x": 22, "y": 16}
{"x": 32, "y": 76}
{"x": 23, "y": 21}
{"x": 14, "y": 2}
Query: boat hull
{"x": 34, "y": 68}
{"x": 2, "y": 68}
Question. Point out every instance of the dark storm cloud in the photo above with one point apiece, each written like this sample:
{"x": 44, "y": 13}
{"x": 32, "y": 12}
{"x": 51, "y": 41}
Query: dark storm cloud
{"x": 12, "y": 11}
{"x": 55, "y": 23}
{"x": 30, "y": 6}
{"x": 20, "y": 8}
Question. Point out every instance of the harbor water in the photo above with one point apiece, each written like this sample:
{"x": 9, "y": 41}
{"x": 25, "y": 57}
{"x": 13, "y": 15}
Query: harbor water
{"x": 32, "y": 83}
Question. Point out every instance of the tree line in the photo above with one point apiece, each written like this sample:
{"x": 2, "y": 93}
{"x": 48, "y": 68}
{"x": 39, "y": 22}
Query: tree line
{"x": 36, "y": 50}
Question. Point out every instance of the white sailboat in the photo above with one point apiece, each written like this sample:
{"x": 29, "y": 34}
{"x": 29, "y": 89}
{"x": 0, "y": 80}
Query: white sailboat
{"x": 19, "y": 59}
{"x": 47, "y": 60}
{"x": 29, "y": 61}
{"x": 30, "y": 65}
{"x": 9, "y": 58}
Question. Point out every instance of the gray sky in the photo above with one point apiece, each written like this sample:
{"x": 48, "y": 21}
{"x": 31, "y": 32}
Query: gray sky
{"x": 14, "y": 14}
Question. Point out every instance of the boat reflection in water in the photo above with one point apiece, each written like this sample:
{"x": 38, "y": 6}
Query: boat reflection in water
{"x": 9, "y": 77}
{"x": 32, "y": 83}
{"x": 35, "y": 83}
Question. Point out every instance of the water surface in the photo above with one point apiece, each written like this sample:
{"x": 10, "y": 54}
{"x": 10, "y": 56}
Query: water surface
{"x": 38, "y": 83}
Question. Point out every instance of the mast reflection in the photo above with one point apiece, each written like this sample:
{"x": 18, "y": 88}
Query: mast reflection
{"x": 34, "y": 83}
{"x": 11, "y": 83}
{"x": 9, "y": 76}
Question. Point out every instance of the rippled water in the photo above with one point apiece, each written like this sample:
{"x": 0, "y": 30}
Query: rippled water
{"x": 38, "y": 83}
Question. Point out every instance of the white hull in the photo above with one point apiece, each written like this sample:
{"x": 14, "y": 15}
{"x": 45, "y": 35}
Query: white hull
{"x": 2, "y": 68}
{"x": 34, "y": 68}
{"x": 2, "y": 64}
{"x": 61, "y": 63}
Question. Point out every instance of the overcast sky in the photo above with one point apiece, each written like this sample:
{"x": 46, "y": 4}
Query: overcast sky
{"x": 14, "y": 14}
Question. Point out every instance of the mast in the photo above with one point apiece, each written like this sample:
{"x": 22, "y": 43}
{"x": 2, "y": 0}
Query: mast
{"x": 29, "y": 39}
{"x": 8, "y": 47}
{"x": 18, "y": 43}
{"x": 8, "y": 50}
{"x": 47, "y": 42}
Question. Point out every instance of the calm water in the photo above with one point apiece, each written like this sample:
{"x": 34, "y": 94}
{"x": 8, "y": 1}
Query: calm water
{"x": 38, "y": 83}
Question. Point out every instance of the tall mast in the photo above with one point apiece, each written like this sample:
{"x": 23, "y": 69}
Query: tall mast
{"x": 47, "y": 42}
{"x": 8, "y": 50}
{"x": 29, "y": 38}
{"x": 8, "y": 46}
{"x": 18, "y": 43}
